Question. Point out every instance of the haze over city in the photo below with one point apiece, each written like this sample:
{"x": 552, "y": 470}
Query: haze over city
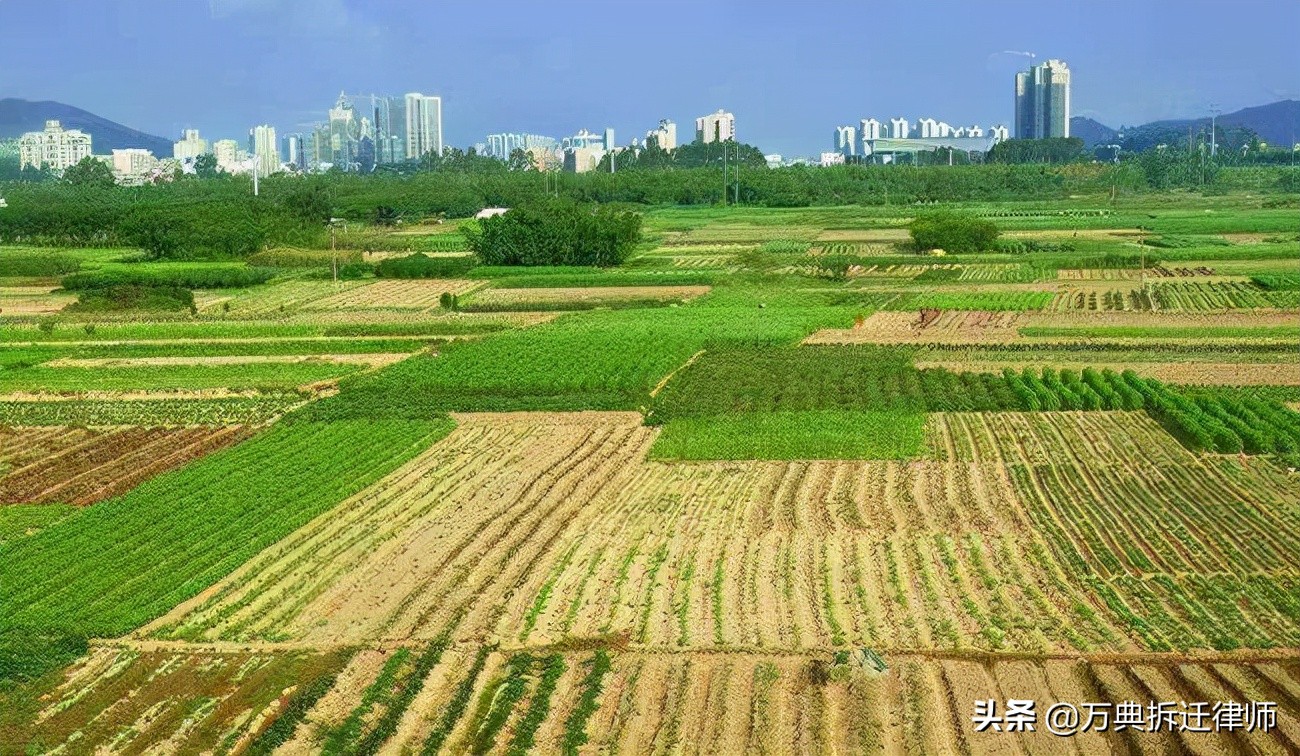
{"x": 787, "y": 73}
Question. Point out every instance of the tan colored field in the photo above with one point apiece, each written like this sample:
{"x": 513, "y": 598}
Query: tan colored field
{"x": 533, "y": 528}
{"x": 591, "y": 294}
{"x": 397, "y": 294}
{"x": 82, "y": 466}
{"x": 950, "y": 327}
{"x": 370, "y": 359}
{"x": 1192, "y": 373}
{"x": 865, "y": 235}
{"x": 33, "y": 300}
{"x": 697, "y": 702}
{"x": 1097, "y": 274}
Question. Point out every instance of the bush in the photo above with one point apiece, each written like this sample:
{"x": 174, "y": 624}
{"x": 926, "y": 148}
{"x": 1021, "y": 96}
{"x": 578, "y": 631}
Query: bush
{"x": 38, "y": 265}
{"x": 556, "y": 232}
{"x": 953, "y": 233}
{"x": 420, "y": 265}
{"x": 183, "y": 276}
{"x": 130, "y": 297}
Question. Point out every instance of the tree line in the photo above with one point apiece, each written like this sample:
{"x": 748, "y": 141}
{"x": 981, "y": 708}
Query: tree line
{"x": 220, "y": 218}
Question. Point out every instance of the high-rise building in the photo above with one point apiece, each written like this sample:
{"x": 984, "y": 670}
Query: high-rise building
{"x": 230, "y": 157}
{"x": 899, "y": 128}
{"x": 190, "y": 146}
{"x": 715, "y": 127}
{"x": 264, "y": 149}
{"x": 55, "y": 148}
{"x": 423, "y": 125}
{"x": 845, "y": 141}
{"x": 132, "y": 164}
{"x": 502, "y": 146}
{"x": 390, "y": 129}
{"x": 1043, "y": 101}
{"x": 295, "y": 151}
{"x": 342, "y": 133}
{"x": 665, "y": 136}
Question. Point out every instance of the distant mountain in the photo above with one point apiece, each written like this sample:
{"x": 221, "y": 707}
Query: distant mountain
{"x": 1277, "y": 124}
{"x": 20, "y": 116}
{"x": 1091, "y": 132}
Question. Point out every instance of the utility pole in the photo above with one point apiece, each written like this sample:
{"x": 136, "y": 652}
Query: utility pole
{"x": 1214, "y": 141}
{"x": 724, "y": 174}
{"x": 736, "y": 177}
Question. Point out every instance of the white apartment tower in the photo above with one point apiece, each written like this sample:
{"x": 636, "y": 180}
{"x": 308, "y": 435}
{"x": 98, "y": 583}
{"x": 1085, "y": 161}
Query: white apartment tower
{"x": 54, "y": 148}
{"x": 665, "y": 136}
{"x": 899, "y": 128}
{"x": 229, "y": 156}
{"x": 190, "y": 146}
{"x": 871, "y": 129}
{"x": 846, "y": 141}
{"x": 423, "y": 125}
{"x": 715, "y": 127}
{"x": 1043, "y": 101}
{"x": 265, "y": 149}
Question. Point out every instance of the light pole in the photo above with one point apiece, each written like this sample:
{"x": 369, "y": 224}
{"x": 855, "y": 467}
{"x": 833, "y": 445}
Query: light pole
{"x": 334, "y": 252}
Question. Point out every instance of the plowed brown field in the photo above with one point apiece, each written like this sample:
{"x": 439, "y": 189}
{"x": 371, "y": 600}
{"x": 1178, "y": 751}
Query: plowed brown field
{"x": 82, "y": 466}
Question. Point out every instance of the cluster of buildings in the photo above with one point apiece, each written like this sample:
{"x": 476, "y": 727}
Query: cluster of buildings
{"x": 883, "y": 141}
{"x": 585, "y": 150}
{"x": 364, "y": 131}
{"x": 1042, "y": 112}
{"x": 56, "y": 148}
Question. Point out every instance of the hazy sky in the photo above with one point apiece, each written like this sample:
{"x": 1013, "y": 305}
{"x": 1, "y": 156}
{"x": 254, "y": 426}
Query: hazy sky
{"x": 789, "y": 71}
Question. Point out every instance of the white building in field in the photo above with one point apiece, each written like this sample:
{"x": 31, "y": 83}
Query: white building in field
{"x": 55, "y": 148}
{"x": 423, "y": 125}
{"x": 230, "y": 158}
{"x": 190, "y": 146}
{"x": 665, "y": 135}
{"x": 133, "y": 161}
{"x": 264, "y": 149}
{"x": 715, "y": 127}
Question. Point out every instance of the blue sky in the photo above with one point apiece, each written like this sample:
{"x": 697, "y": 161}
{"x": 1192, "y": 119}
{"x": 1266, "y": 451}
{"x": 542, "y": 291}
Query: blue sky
{"x": 789, "y": 71}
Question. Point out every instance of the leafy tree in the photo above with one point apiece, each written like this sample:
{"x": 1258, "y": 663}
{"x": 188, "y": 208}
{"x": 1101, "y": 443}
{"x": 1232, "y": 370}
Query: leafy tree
{"x": 556, "y": 232}
{"x": 520, "y": 160}
{"x": 205, "y": 166}
{"x": 385, "y": 216}
{"x": 91, "y": 171}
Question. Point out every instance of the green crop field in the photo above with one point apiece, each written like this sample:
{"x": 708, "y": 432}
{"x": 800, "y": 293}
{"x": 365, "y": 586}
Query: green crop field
{"x": 776, "y": 481}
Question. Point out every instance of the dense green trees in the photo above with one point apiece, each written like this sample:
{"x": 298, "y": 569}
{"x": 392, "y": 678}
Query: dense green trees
{"x": 1064, "y": 150}
{"x": 953, "y": 233}
{"x": 197, "y": 218}
{"x": 91, "y": 171}
{"x": 556, "y": 232}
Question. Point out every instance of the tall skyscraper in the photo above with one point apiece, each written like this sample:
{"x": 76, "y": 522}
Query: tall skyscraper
{"x": 715, "y": 127}
{"x": 423, "y": 125}
{"x": 1043, "y": 101}
{"x": 295, "y": 152}
{"x": 265, "y": 150}
{"x": 55, "y": 148}
{"x": 342, "y": 133}
{"x": 190, "y": 147}
{"x": 390, "y": 129}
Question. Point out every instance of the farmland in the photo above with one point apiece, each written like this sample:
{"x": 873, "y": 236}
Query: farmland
{"x": 777, "y": 483}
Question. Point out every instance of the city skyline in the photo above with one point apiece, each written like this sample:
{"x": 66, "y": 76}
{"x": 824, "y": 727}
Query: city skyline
{"x": 275, "y": 63}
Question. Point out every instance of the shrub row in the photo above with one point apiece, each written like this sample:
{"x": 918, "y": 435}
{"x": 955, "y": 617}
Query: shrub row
{"x": 420, "y": 265}
{"x": 185, "y": 276}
